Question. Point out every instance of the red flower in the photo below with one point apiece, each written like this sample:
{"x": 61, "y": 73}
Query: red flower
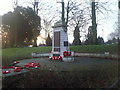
{"x": 67, "y": 53}
{"x": 38, "y": 65}
{"x": 56, "y": 57}
{"x": 32, "y": 64}
{"x": 60, "y": 57}
{"x": 16, "y": 62}
{"x": 4, "y": 67}
{"x": 26, "y": 66}
{"x": 18, "y": 69}
{"x": 5, "y": 72}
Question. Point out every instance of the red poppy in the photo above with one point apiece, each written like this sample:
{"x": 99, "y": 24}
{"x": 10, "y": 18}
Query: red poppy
{"x": 56, "y": 57}
{"x": 66, "y": 53}
{"x": 60, "y": 57}
{"x": 16, "y": 62}
{"x": 38, "y": 65}
{"x": 8, "y": 67}
{"x": 26, "y": 66}
{"x": 5, "y": 72}
{"x": 32, "y": 64}
{"x": 4, "y": 67}
{"x": 18, "y": 69}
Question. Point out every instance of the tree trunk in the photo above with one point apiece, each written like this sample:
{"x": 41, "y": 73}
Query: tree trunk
{"x": 35, "y": 42}
{"x": 94, "y": 25}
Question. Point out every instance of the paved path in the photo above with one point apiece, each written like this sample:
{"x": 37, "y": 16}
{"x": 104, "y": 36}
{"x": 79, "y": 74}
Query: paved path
{"x": 76, "y": 65}
{"x": 73, "y": 65}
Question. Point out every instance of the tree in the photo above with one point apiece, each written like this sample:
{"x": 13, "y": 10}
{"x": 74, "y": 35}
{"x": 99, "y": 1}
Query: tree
{"x": 76, "y": 40}
{"x": 49, "y": 41}
{"x": 22, "y": 26}
{"x": 100, "y": 40}
{"x": 89, "y": 39}
{"x": 116, "y": 32}
{"x": 47, "y": 22}
{"x": 80, "y": 21}
{"x": 112, "y": 41}
{"x": 71, "y": 9}
{"x": 101, "y": 11}
{"x": 114, "y": 36}
{"x": 34, "y": 26}
{"x": 94, "y": 25}
{"x": 8, "y": 25}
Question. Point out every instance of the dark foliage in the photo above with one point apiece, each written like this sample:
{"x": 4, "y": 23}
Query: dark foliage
{"x": 21, "y": 26}
{"x": 76, "y": 40}
{"x": 49, "y": 41}
{"x": 100, "y": 40}
{"x": 91, "y": 38}
{"x": 113, "y": 41}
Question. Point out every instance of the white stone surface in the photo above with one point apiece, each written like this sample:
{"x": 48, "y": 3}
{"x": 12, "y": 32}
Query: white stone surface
{"x": 68, "y": 59}
{"x": 58, "y": 27}
{"x": 40, "y": 54}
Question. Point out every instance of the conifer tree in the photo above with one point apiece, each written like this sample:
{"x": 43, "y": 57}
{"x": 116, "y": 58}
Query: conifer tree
{"x": 76, "y": 40}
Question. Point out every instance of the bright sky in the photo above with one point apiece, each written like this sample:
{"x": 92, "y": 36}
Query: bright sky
{"x": 104, "y": 29}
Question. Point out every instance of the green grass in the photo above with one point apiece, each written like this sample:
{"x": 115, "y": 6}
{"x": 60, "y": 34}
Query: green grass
{"x": 113, "y": 49}
{"x": 11, "y": 54}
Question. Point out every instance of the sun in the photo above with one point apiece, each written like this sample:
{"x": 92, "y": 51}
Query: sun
{"x": 40, "y": 40}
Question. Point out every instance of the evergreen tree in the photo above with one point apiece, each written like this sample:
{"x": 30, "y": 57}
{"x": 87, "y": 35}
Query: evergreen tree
{"x": 89, "y": 39}
{"x": 100, "y": 40}
{"x": 76, "y": 40}
{"x": 22, "y": 26}
{"x": 49, "y": 41}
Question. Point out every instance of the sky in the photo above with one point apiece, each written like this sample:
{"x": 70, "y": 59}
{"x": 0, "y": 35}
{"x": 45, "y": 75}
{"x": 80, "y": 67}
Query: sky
{"x": 105, "y": 27}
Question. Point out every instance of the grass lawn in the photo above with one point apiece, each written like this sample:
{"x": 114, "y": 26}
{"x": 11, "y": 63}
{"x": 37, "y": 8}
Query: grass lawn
{"x": 11, "y": 54}
{"x": 112, "y": 49}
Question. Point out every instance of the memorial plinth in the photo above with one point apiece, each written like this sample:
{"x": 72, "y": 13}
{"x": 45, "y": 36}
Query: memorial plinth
{"x": 60, "y": 45}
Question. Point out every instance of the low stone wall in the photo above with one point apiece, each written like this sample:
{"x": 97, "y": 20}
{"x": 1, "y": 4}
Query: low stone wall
{"x": 40, "y": 54}
{"x": 94, "y": 55}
